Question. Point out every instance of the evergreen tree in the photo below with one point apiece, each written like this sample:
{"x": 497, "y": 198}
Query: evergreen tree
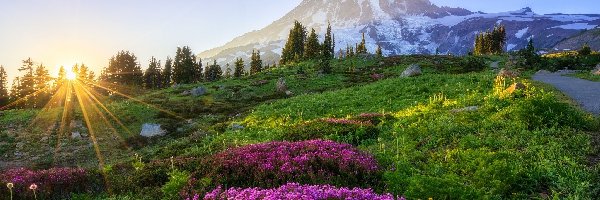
{"x": 239, "y": 68}
{"x": 26, "y": 85}
{"x": 198, "y": 77}
{"x": 328, "y": 46}
{"x": 490, "y": 42}
{"x": 361, "y": 48}
{"x": 83, "y": 73}
{"x": 123, "y": 69}
{"x": 312, "y": 47}
{"x": 185, "y": 67}
{"x": 152, "y": 76}
{"x": 41, "y": 86}
{"x": 61, "y": 78}
{"x": 379, "y": 52}
{"x": 228, "y": 71}
{"x": 167, "y": 72}
{"x": 294, "y": 47}
{"x": 585, "y": 50}
{"x": 255, "y": 63}
{"x": 91, "y": 76}
{"x": 213, "y": 72}
{"x": 4, "y": 96}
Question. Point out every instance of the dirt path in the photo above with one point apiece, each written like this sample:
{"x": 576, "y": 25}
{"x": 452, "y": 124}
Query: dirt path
{"x": 584, "y": 92}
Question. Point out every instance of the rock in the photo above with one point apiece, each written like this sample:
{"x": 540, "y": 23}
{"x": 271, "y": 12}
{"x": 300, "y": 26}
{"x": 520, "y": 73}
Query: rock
{"x": 508, "y": 73}
{"x": 289, "y": 93}
{"x": 236, "y": 127}
{"x": 152, "y": 130}
{"x": 596, "y": 71}
{"x": 495, "y": 65}
{"x": 199, "y": 91}
{"x": 75, "y": 135}
{"x": 465, "y": 109}
{"x": 543, "y": 72}
{"x": 514, "y": 87}
{"x": 259, "y": 82}
{"x": 281, "y": 86}
{"x": 412, "y": 70}
{"x": 381, "y": 63}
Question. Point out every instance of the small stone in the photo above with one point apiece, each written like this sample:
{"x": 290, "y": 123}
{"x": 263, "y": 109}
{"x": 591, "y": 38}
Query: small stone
{"x": 152, "y": 130}
{"x": 76, "y": 135}
{"x": 596, "y": 71}
{"x": 281, "y": 85}
{"x": 508, "y": 73}
{"x": 289, "y": 93}
{"x": 412, "y": 70}
{"x": 495, "y": 65}
{"x": 465, "y": 109}
{"x": 236, "y": 127}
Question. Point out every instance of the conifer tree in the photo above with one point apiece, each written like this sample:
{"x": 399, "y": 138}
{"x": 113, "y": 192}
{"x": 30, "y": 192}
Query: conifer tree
{"x": 379, "y": 52}
{"x": 228, "y": 71}
{"x": 239, "y": 68}
{"x": 328, "y": 43}
{"x": 255, "y": 63}
{"x": 26, "y": 84}
{"x": 167, "y": 72}
{"x": 152, "y": 76}
{"x": 490, "y": 42}
{"x": 124, "y": 69}
{"x": 91, "y": 76}
{"x": 198, "y": 76}
{"x": 213, "y": 72}
{"x": 4, "y": 96}
{"x": 41, "y": 86}
{"x": 294, "y": 47}
{"x": 311, "y": 47}
{"x": 185, "y": 67}
{"x": 361, "y": 48}
{"x": 61, "y": 78}
{"x": 83, "y": 73}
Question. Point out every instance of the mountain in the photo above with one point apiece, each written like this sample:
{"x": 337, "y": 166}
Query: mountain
{"x": 404, "y": 27}
{"x": 590, "y": 37}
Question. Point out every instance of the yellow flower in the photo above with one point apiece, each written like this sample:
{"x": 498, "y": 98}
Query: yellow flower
{"x": 10, "y": 185}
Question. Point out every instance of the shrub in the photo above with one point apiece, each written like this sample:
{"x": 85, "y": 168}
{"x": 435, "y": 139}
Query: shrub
{"x": 276, "y": 163}
{"x": 296, "y": 191}
{"x": 342, "y": 130}
{"x": 54, "y": 183}
{"x": 177, "y": 180}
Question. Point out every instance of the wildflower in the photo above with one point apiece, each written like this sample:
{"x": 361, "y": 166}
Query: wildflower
{"x": 10, "y": 185}
{"x": 33, "y": 187}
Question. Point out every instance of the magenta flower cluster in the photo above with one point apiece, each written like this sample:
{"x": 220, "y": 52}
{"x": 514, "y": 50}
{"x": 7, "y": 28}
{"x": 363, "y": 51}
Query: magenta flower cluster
{"x": 276, "y": 163}
{"x": 296, "y": 191}
{"x": 347, "y": 121}
{"x": 54, "y": 180}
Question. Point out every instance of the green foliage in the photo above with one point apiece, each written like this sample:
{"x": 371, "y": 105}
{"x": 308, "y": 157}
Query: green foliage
{"x": 585, "y": 50}
{"x": 255, "y": 62}
{"x": 177, "y": 180}
{"x": 213, "y": 72}
{"x": 312, "y": 48}
{"x": 239, "y": 68}
{"x": 123, "y": 69}
{"x": 361, "y": 48}
{"x": 490, "y": 42}
{"x": 185, "y": 67}
{"x": 294, "y": 47}
{"x": 167, "y": 73}
{"x": 152, "y": 76}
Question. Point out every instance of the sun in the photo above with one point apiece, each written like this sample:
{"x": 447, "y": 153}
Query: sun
{"x": 71, "y": 75}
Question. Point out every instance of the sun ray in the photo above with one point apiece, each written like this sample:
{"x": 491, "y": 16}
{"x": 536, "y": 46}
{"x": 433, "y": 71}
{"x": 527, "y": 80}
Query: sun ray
{"x": 55, "y": 102}
{"x": 139, "y": 101}
{"x": 20, "y": 100}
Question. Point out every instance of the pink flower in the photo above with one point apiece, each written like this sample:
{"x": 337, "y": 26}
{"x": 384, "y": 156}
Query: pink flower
{"x": 33, "y": 186}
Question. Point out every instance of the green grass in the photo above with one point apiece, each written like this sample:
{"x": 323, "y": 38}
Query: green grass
{"x": 586, "y": 75}
{"x": 530, "y": 144}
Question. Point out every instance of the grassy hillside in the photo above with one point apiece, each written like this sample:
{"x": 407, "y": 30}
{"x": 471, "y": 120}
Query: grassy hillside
{"x": 455, "y": 132}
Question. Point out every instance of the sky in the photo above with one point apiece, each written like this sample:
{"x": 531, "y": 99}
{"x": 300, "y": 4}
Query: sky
{"x": 65, "y": 32}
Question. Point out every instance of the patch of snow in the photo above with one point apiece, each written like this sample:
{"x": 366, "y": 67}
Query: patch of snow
{"x": 521, "y": 32}
{"x": 571, "y": 18}
{"x": 576, "y": 26}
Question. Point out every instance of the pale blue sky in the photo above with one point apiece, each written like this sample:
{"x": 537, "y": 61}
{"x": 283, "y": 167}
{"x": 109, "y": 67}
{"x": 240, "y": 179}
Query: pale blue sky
{"x": 62, "y": 32}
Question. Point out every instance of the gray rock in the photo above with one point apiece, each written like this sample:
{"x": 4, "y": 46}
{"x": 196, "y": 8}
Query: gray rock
{"x": 236, "y": 127}
{"x": 199, "y": 91}
{"x": 465, "y": 109}
{"x": 76, "y": 135}
{"x": 281, "y": 85}
{"x": 495, "y": 65}
{"x": 596, "y": 71}
{"x": 289, "y": 93}
{"x": 412, "y": 70}
{"x": 152, "y": 130}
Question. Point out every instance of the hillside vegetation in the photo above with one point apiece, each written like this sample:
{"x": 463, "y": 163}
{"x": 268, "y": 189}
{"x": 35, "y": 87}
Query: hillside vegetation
{"x": 458, "y": 131}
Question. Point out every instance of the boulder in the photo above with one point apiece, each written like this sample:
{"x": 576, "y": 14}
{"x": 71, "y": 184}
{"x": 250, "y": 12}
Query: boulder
{"x": 289, "y": 93}
{"x": 412, "y": 70}
{"x": 281, "y": 86}
{"x": 465, "y": 109}
{"x": 199, "y": 91}
{"x": 152, "y": 130}
{"x": 236, "y": 127}
{"x": 596, "y": 71}
{"x": 75, "y": 135}
{"x": 508, "y": 73}
{"x": 495, "y": 65}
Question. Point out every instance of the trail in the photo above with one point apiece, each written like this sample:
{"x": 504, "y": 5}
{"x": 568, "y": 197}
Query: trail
{"x": 585, "y": 93}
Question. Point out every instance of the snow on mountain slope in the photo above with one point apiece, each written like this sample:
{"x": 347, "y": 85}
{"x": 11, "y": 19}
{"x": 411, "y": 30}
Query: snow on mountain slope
{"x": 403, "y": 27}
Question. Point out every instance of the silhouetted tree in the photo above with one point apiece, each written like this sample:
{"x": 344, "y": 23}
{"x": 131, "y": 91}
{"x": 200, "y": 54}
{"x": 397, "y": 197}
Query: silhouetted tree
{"x": 255, "y": 63}
{"x": 213, "y": 72}
{"x": 4, "y": 96}
{"x": 167, "y": 72}
{"x": 228, "y": 71}
{"x": 123, "y": 69}
{"x": 328, "y": 46}
{"x": 379, "y": 52}
{"x": 41, "y": 86}
{"x": 185, "y": 67}
{"x": 585, "y": 50}
{"x": 239, "y": 68}
{"x": 152, "y": 76}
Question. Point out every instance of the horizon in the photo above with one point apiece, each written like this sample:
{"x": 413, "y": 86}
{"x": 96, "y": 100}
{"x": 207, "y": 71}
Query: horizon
{"x": 70, "y": 33}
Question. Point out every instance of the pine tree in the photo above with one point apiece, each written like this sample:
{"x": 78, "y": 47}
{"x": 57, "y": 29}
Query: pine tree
{"x": 60, "y": 79}
{"x": 198, "y": 77}
{"x": 26, "y": 85}
{"x": 123, "y": 69}
{"x": 361, "y": 48}
{"x": 312, "y": 47}
{"x": 239, "y": 68}
{"x": 490, "y": 42}
{"x": 294, "y": 47}
{"x": 152, "y": 76}
{"x": 167, "y": 72}
{"x": 4, "y": 96}
{"x": 228, "y": 71}
{"x": 379, "y": 52}
{"x": 41, "y": 86}
{"x": 83, "y": 73}
{"x": 185, "y": 67}
{"x": 213, "y": 72}
{"x": 328, "y": 46}
{"x": 91, "y": 76}
{"x": 255, "y": 63}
